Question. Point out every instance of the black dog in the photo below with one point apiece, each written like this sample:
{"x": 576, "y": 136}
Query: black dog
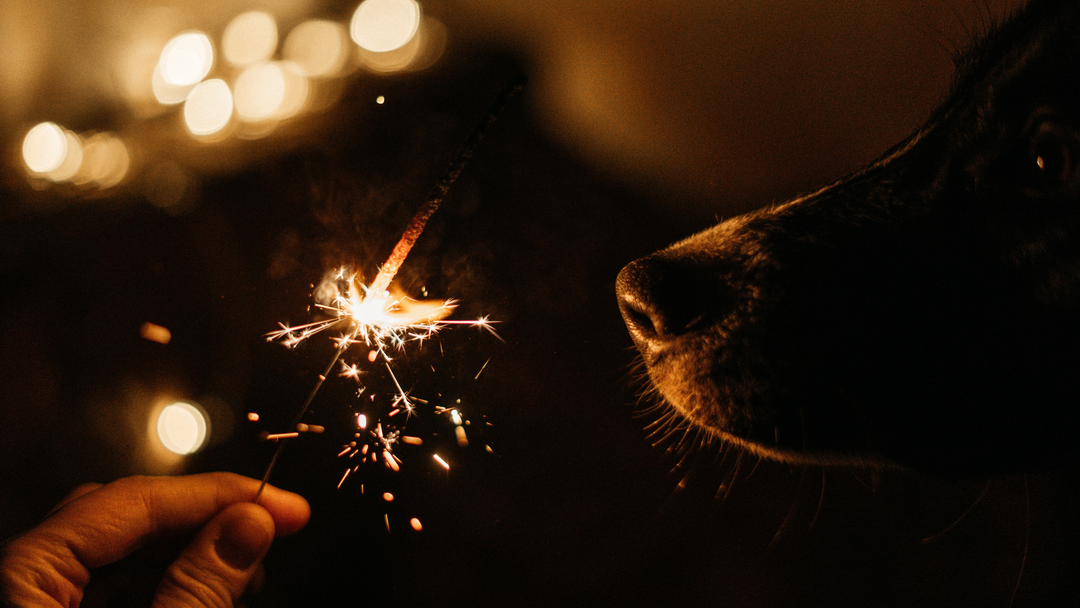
{"x": 922, "y": 313}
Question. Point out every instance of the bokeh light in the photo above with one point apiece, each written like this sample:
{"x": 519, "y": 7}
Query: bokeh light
{"x": 391, "y": 61}
{"x": 270, "y": 90}
{"x": 421, "y": 51}
{"x": 105, "y": 161}
{"x": 249, "y": 38}
{"x": 208, "y": 107}
{"x": 110, "y": 161}
{"x": 319, "y": 47}
{"x": 260, "y": 90}
{"x": 72, "y": 160}
{"x": 186, "y": 59}
{"x": 384, "y": 25}
{"x": 44, "y": 147}
{"x": 182, "y": 428}
{"x": 296, "y": 89}
{"x": 256, "y": 88}
{"x": 59, "y": 155}
{"x": 165, "y": 93}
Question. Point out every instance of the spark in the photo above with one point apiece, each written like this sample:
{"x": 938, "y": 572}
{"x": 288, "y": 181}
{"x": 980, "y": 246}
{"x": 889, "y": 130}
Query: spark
{"x": 276, "y": 436}
{"x": 482, "y": 368}
{"x": 350, "y": 371}
{"x": 384, "y": 321}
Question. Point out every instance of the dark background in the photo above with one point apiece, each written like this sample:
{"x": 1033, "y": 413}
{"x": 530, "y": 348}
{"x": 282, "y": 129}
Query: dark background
{"x": 578, "y": 504}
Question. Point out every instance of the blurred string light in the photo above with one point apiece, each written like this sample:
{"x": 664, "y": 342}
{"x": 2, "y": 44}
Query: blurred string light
{"x": 270, "y": 90}
{"x": 166, "y": 93}
{"x": 105, "y": 161}
{"x": 186, "y": 59}
{"x": 182, "y": 428}
{"x": 384, "y": 25}
{"x": 249, "y": 38}
{"x": 44, "y": 147}
{"x": 72, "y": 159}
{"x": 208, "y": 107}
{"x": 318, "y": 47}
{"x": 254, "y": 87}
{"x": 55, "y": 154}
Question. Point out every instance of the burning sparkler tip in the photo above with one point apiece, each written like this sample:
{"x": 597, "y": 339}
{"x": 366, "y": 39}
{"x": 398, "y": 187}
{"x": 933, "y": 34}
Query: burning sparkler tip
{"x": 384, "y": 321}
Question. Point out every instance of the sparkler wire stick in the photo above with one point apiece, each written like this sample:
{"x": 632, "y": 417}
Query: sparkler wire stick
{"x": 389, "y": 270}
{"x": 435, "y": 198}
{"x": 303, "y": 410}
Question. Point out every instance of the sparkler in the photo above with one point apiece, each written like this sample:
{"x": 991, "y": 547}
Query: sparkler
{"x": 382, "y": 321}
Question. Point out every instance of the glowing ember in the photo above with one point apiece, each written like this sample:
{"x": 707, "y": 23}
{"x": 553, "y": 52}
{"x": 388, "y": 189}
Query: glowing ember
{"x": 442, "y": 462}
{"x": 155, "y": 333}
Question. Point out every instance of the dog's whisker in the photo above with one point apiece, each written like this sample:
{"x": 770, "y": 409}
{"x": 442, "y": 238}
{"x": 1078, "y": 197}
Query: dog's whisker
{"x": 821, "y": 501}
{"x": 784, "y": 525}
{"x": 731, "y": 476}
{"x": 1027, "y": 540}
{"x": 963, "y": 516}
{"x": 756, "y": 464}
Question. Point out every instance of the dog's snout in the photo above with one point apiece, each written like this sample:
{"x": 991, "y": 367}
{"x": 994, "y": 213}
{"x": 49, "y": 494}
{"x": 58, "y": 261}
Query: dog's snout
{"x": 662, "y": 299}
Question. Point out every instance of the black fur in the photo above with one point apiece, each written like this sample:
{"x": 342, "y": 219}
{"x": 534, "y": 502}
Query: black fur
{"x": 923, "y": 312}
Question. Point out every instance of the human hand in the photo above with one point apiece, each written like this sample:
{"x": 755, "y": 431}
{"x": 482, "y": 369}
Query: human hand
{"x": 51, "y": 564}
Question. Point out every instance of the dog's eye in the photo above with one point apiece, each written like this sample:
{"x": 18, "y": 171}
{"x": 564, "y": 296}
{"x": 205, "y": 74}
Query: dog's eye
{"x": 1052, "y": 157}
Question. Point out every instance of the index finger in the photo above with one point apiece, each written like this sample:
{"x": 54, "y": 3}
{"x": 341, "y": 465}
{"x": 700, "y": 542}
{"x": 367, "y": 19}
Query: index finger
{"x": 114, "y": 520}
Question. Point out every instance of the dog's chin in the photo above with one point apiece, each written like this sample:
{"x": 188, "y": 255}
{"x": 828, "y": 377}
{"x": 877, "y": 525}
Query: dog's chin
{"x": 744, "y": 412}
{"x": 698, "y": 413}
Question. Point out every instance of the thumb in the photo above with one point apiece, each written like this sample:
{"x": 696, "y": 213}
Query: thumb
{"x": 215, "y": 569}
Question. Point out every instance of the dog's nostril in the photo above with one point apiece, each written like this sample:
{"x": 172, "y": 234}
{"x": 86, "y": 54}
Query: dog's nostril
{"x": 661, "y": 299}
{"x": 637, "y": 316}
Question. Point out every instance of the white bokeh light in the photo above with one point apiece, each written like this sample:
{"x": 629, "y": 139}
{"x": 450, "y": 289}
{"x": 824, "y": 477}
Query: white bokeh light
{"x": 208, "y": 107}
{"x": 182, "y": 428}
{"x": 165, "y": 93}
{"x": 318, "y": 47}
{"x": 384, "y": 25}
{"x": 105, "y": 161}
{"x": 72, "y": 159}
{"x": 249, "y": 38}
{"x": 260, "y": 90}
{"x": 271, "y": 90}
{"x": 45, "y": 147}
{"x": 186, "y": 59}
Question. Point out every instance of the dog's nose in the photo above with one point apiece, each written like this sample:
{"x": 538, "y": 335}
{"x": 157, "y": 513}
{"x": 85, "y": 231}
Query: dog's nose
{"x": 661, "y": 299}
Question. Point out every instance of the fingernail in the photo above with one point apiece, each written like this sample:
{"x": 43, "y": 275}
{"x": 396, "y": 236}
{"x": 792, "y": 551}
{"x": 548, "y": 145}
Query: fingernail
{"x": 242, "y": 542}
